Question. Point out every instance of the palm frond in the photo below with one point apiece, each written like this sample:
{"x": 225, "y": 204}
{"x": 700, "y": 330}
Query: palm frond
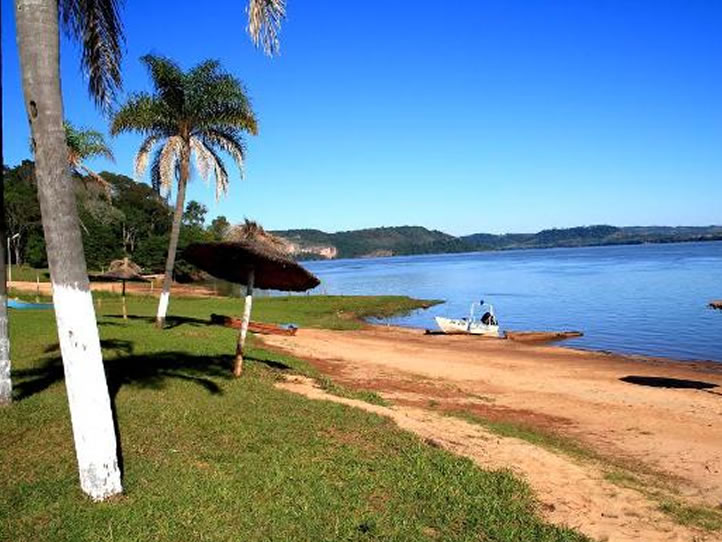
{"x": 143, "y": 155}
{"x": 96, "y": 24}
{"x": 83, "y": 144}
{"x": 215, "y": 163}
{"x": 86, "y": 143}
{"x": 143, "y": 114}
{"x": 155, "y": 181}
{"x": 168, "y": 80}
{"x": 264, "y": 23}
{"x": 169, "y": 157}
{"x": 228, "y": 140}
{"x": 214, "y": 97}
{"x": 203, "y": 159}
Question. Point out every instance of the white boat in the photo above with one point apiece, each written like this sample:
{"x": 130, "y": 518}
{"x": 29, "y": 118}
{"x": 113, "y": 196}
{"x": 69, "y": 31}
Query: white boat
{"x": 486, "y": 324}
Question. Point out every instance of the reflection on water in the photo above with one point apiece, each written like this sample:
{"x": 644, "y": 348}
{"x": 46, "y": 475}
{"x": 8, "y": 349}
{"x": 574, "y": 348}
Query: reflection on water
{"x": 645, "y": 299}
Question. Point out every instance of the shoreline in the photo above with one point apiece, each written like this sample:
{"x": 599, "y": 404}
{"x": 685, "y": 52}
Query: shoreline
{"x": 701, "y": 365}
{"x": 513, "y": 249}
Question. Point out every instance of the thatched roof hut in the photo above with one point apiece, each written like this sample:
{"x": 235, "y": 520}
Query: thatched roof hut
{"x": 253, "y": 257}
{"x": 249, "y": 247}
{"x": 122, "y": 270}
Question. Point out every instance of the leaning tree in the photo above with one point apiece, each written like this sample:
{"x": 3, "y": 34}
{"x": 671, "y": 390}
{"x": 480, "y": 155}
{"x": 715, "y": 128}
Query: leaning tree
{"x": 96, "y": 25}
{"x": 191, "y": 116}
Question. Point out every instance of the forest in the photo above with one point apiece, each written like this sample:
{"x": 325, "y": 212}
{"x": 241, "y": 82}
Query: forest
{"x": 130, "y": 219}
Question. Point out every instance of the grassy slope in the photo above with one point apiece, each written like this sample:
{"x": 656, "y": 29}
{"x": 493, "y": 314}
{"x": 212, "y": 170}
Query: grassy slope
{"x": 210, "y": 458}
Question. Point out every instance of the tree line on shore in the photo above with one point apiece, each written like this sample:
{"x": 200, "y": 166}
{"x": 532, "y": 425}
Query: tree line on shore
{"x": 128, "y": 219}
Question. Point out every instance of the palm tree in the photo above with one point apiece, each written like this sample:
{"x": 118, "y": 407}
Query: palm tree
{"x": 97, "y": 26}
{"x": 195, "y": 114}
{"x": 6, "y": 383}
{"x": 83, "y": 145}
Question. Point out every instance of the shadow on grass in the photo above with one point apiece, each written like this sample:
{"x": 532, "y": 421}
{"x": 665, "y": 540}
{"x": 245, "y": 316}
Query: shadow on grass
{"x": 671, "y": 383}
{"x": 271, "y": 363}
{"x": 124, "y": 368}
{"x": 170, "y": 321}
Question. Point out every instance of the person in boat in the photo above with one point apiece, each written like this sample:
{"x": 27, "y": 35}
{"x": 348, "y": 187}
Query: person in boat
{"x": 488, "y": 318}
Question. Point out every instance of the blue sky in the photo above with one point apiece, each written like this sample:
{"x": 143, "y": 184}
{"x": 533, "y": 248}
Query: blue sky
{"x": 464, "y": 116}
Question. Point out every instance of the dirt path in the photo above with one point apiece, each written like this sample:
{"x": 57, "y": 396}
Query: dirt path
{"x": 132, "y": 288}
{"x": 675, "y": 430}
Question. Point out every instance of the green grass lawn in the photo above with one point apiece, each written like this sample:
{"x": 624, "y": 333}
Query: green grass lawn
{"x": 29, "y": 274}
{"x": 210, "y": 458}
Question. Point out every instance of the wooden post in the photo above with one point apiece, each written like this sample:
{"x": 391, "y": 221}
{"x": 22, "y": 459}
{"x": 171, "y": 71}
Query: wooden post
{"x": 125, "y": 310}
{"x": 37, "y": 287}
{"x": 238, "y": 363}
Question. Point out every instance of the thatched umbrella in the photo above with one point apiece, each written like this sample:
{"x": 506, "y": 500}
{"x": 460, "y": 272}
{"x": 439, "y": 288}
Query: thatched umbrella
{"x": 254, "y": 258}
{"x": 122, "y": 270}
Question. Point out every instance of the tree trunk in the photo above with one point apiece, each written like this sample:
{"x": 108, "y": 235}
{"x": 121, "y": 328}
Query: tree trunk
{"x": 87, "y": 390}
{"x": 238, "y": 362}
{"x": 174, "y": 233}
{"x": 125, "y": 309}
{"x": 6, "y": 385}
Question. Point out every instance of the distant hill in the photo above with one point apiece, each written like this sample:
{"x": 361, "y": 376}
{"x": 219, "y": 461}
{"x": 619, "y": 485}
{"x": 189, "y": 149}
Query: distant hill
{"x": 406, "y": 240}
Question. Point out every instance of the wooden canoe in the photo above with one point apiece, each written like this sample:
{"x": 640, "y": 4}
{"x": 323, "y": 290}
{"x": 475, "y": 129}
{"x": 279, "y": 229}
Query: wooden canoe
{"x": 541, "y": 336}
{"x": 253, "y": 327}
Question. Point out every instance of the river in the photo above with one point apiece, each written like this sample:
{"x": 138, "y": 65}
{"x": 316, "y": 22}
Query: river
{"x": 641, "y": 299}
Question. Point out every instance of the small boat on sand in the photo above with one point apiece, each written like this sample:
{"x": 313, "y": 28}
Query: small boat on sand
{"x": 481, "y": 321}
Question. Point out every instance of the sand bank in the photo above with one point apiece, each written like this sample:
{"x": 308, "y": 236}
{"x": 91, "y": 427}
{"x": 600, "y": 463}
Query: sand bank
{"x": 660, "y": 415}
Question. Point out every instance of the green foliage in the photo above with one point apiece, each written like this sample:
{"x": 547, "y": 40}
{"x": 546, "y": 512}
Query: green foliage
{"x": 22, "y": 214}
{"x": 219, "y": 228}
{"x": 85, "y": 143}
{"x": 135, "y": 222}
{"x": 207, "y": 457}
{"x": 195, "y": 214}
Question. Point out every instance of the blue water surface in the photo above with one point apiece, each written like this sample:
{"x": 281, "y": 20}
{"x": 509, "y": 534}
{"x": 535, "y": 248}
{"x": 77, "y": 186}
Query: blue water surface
{"x": 641, "y": 299}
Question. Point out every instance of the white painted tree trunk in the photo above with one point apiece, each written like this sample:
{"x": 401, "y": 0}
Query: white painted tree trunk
{"x": 238, "y": 363}
{"x": 88, "y": 399}
{"x": 87, "y": 389}
{"x": 6, "y": 385}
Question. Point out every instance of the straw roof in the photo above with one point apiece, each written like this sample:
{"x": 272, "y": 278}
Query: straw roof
{"x": 122, "y": 270}
{"x": 251, "y": 230}
{"x": 251, "y": 247}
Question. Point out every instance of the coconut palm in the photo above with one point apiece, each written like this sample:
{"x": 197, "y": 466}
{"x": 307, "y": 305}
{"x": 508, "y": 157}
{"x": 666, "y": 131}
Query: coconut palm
{"x": 97, "y": 27}
{"x": 196, "y": 115}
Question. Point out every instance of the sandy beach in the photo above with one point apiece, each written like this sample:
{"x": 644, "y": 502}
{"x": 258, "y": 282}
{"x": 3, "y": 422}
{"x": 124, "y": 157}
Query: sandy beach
{"x": 653, "y": 416}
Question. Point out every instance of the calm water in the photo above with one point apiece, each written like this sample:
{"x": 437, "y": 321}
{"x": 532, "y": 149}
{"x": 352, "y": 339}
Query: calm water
{"x": 644, "y": 299}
